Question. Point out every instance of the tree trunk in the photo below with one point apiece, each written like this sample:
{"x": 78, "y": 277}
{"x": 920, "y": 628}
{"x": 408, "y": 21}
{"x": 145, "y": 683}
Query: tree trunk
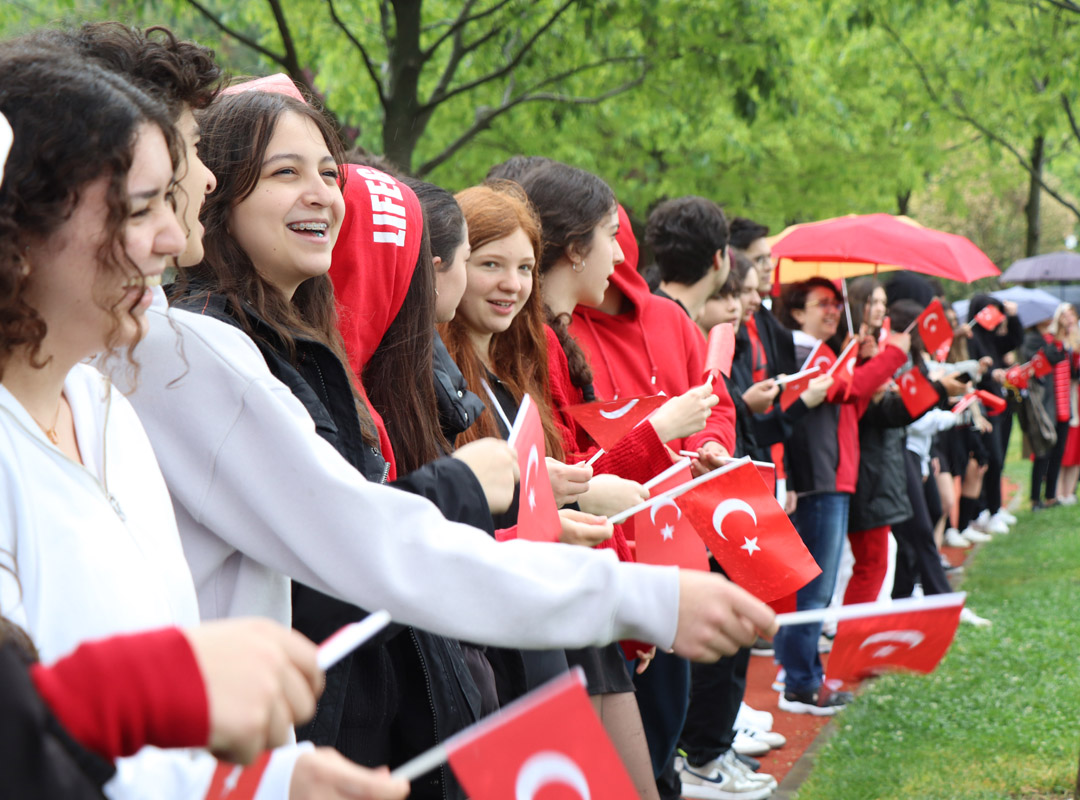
{"x": 903, "y": 200}
{"x": 1031, "y": 208}
{"x": 403, "y": 124}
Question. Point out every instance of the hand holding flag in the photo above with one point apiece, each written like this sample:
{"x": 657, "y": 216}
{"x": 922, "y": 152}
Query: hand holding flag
{"x": 795, "y": 385}
{"x": 934, "y": 330}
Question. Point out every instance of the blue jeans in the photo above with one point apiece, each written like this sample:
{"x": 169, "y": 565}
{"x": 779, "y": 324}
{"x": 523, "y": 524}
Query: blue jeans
{"x": 821, "y": 520}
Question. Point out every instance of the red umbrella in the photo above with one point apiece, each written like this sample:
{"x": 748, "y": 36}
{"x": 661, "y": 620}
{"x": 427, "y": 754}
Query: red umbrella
{"x": 859, "y": 244}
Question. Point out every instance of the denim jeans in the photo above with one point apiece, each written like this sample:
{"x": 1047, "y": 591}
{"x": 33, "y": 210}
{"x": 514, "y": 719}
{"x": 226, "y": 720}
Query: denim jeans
{"x": 821, "y": 520}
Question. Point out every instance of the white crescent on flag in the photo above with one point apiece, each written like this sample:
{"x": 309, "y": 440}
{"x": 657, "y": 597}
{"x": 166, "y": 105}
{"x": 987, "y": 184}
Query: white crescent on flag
{"x": 907, "y": 382}
{"x": 532, "y": 464}
{"x": 821, "y": 362}
{"x": 929, "y": 323}
{"x": 549, "y": 767}
{"x": 908, "y": 637}
{"x": 730, "y": 506}
{"x": 619, "y": 412}
{"x": 667, "y": 501}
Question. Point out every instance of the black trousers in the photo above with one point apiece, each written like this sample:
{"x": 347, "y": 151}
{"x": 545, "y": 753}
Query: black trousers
{"x": 997, "y": 443}
{"x": 716, "y": 692}
{"x": 916, "y": 553}
{"x": 1045, "y": 469}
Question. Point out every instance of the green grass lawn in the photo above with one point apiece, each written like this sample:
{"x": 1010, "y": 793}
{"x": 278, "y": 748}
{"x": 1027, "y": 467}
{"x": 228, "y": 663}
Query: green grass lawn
{"x": 1000, "y": 718}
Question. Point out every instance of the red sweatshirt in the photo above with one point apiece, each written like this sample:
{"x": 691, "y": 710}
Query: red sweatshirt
{"x": 652, "y": 347}
{"x": 119, "y": 694}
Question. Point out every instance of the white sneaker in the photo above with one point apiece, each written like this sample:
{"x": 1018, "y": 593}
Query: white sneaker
{"x": 735, "y": 763}
{"x": 752, "y": 718}
{"x": 779, "y": 680}
{"x": 973, "y": 535}
{"x": 771, "y": 738}
{"x": 1067, "y": 500}
{"x": 1008, "y": 517}
{"x": 971, "y": 618}
{"x": 998, "y": 524}
{"x": 719, "y": 780}
{"x": 953, "y": 538}
{"x": 749, "y": 746}
{"x": 981, "y": 520}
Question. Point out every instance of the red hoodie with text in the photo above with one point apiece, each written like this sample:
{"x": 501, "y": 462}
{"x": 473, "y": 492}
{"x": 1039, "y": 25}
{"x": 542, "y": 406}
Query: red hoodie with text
{"x": 652, "y": 346}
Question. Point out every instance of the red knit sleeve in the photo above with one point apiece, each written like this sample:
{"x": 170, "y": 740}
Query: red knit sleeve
{"x": 638, "y": 456}
{"x": 117, "y": 695}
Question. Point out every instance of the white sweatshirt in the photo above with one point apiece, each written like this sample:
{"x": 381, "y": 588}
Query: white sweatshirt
{"x": 261, "y": 498}
{"x": 96, "y": 553}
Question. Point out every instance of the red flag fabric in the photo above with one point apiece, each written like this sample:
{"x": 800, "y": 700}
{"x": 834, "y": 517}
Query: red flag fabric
{"x": 964, "y": 402}
{"x": 768, "y": 475}
{"x": 1018, "y": 375}
{"x": 237, "y": 782}
{"x": 915, "y": 640}
{"x": 1041, "y": 365}
{"x": 721, "y": 350}
{"x": 662, "y": 535}
{"x": 538, "y": 516}
{"x": 990, "y": 317}
{"x": 843, "y": 371}
{"x": 917, "y": 392}
{"x": 785, "y": 604}
{"x": 993, "y": 404}
{"x": 609, "y": 422}
{"x": 548, "y": 744}
{"x": 749, "y": 533}
{"x": 886, "y": 329}
{"x": 794, "y": 388}
{"x": 821, "y": 357}
{"x": 934, "y": 330}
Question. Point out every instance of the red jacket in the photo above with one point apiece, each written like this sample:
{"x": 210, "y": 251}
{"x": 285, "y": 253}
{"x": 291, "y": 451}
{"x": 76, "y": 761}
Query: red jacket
{"x": 651, "y": 347}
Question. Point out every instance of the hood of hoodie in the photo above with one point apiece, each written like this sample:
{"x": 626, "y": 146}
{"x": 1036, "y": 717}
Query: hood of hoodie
{"x": 626, "y": 277}
{"x": 374, "y": 258}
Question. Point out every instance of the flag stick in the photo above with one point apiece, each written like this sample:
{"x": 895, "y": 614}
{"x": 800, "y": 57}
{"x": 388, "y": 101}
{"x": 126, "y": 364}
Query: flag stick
{"x": 423, "y": 763}
{"x": 679, "y": 465}
{"x": 595, "y": 456}
{"x": 671, "y": 494}
{"x": 911, "y": 327}
{"x": 344, "y": 641}
{"x": 726, "y": 460}
{"x": 860, "y": 610}
{"x": 794, "y": 377}
{"x": 496, "y": 405}
{"x": 847, "y": 304}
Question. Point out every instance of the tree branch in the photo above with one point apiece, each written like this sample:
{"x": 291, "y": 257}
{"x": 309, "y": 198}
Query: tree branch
{"x": 368, "y": 63}
{"x": 484, "y": 117}
{"x": 960, "y": 113}
{"x": 1072, "y": 119}
{"x": 464, "y": 19}
{"x": 503, "y": 71}
{"x": 245, "y": 40}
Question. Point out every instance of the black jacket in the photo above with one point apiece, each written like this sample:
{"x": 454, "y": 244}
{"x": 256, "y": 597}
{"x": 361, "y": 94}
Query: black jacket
{"x": 458, "y": 407}
{"x": 1055, "y": 353}
{"x": 881, "y": 496}
{"x": 38, "y": 758}
{"x": 989, "y": 343}
{"x": 778, "y": 344}
{"x": 407, "y": 690}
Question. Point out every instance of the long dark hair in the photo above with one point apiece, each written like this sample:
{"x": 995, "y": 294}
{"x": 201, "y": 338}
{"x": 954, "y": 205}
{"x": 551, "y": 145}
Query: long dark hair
{"x": 571, "y": 203}
{"x": 399, "y": 377}
{"x": 236, "y": 131}
{"x": 443, "y": 221}
{"x": 73, "y": 123}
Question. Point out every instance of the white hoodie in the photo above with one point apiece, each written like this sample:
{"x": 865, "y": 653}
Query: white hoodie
{"x": 260, "y": 498}
{"x": 93, "y": 551}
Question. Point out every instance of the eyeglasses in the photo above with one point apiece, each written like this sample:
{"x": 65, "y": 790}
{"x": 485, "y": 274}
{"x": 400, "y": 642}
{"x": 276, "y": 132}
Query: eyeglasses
{"x": 764, "y": 260}
{"x": 828, "y": 305}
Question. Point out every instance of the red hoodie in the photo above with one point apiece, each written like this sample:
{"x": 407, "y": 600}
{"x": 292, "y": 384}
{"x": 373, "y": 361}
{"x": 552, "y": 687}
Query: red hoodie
{"x": 373, "y": 264}
{"x": 653, "y": 347}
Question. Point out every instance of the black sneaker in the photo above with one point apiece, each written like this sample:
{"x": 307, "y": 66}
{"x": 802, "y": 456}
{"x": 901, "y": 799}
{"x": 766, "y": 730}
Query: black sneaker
{"x": 817, "y": 703}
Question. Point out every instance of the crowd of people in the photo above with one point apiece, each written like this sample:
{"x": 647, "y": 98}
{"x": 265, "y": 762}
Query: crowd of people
{"x": 250, "y": 382}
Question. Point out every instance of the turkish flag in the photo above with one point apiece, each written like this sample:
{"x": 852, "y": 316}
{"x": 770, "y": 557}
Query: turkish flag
{"x": 538, "y": 516}
{"x": 549, "y": 744}
{"x": 886, "y": 329}
{"x": 749, "y": 533}
{"x": 843, "y": 370}
{"x": 1018, "y": 375}
{"x": 794, "y": 388}
{"x": 964, "y": 402}
{"x": 768, "y": 474}
{"x": 662, "y": 534}
{"x": 237, "y": 782}
{"x": 1041, "y": 365}
{"x": 917, "y": 392}
{"x": 821, "y": 357}
{"x": 934, "y": 329}
{"x": 609, "y": 422}
{"x": 990, "y": 317}
{"x": 914, "y": 639}
{"x": 993, "y": 404}
{"x": 721, "y": 350}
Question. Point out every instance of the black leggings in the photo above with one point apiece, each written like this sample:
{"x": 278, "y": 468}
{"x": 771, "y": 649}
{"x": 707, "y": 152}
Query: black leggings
{"x": 916, "y": 553}
{"x": 1046, "y": 468}
{"x": 997, "y": 443}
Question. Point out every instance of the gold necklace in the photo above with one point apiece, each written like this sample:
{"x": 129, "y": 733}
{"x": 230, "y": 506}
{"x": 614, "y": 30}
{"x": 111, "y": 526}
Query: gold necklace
{"x": 51, "y": 433}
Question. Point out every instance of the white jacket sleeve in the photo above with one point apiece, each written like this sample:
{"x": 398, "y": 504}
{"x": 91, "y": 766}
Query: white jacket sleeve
{"x": 243, "y": 460}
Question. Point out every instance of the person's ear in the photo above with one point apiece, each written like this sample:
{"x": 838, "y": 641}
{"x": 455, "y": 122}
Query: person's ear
{"x": 435, "y": 261}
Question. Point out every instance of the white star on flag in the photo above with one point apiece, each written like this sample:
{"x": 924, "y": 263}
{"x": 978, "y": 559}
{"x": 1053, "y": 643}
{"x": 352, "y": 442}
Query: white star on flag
{"x": 532, "y": 498}
{"x": 750, "y": 545}
{"x": 668, "y": 531}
